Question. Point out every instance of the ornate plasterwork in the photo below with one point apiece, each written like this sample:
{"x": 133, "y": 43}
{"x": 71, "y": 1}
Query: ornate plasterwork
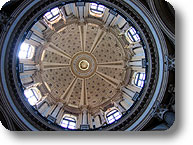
{"x": 102, "y": 52}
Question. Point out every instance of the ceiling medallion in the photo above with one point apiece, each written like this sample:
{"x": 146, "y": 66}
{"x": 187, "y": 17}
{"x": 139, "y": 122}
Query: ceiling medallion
{"x": 83, "y": 65}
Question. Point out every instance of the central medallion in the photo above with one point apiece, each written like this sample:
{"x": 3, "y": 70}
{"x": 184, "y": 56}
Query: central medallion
{"x": 83, "y": 65}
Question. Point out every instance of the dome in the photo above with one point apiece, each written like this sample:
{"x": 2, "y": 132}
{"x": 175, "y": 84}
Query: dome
{"x": 87, "y": 65}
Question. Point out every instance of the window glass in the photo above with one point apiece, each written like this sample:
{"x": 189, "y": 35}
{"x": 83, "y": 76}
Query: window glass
{"x": 68, "y": 122}
{"x": 52, "y": 15}
{"x": 113, "y": 115}
{"x": 132, "y": 34}
{"x": 26, "y": 51}
{"x": 32, "y": 96}
{"x": 140, "y": 79}
{"x": 96, "y": 10}
{"x": 48, "y": 15}
{"x": 55, "y": 11}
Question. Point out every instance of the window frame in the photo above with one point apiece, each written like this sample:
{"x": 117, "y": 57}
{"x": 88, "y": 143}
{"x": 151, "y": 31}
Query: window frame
{"x": 111, "y": 113}
{"x": 139, "y": 79}
{"x": 131, "y": 35}
{"x": 29, "y": 51}
{"x": 97, "y": 12}
{"x": 54, "y": 17}
{"x": 35, "y": 94}
{"x": 72, "y": 119}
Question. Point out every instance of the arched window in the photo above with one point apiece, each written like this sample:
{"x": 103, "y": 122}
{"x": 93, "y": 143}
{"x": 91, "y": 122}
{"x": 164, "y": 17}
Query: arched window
{"x": 140, "y": 79}
{"x": 113, "y": 115}
{"x": 132, "y": 35}
{"x": 97, "y": 10}
{"x": 69, "y": 122}
{"x": 32, "y": 95}
{"x": 52, "y": 15}
{"x": 26, "y": 51}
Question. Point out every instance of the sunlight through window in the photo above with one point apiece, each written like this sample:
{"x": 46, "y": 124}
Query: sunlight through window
{"x": 140, "y": 79}
{"x": 113, "y": 115}
{"x": 32, "y": 96}
{"x": 26, "y": 51}
{"x": 132, "y": 34}
{"x": 68, "y": 122}
{"x": 97, "y": 10}
{"x": 52, "y": 15}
